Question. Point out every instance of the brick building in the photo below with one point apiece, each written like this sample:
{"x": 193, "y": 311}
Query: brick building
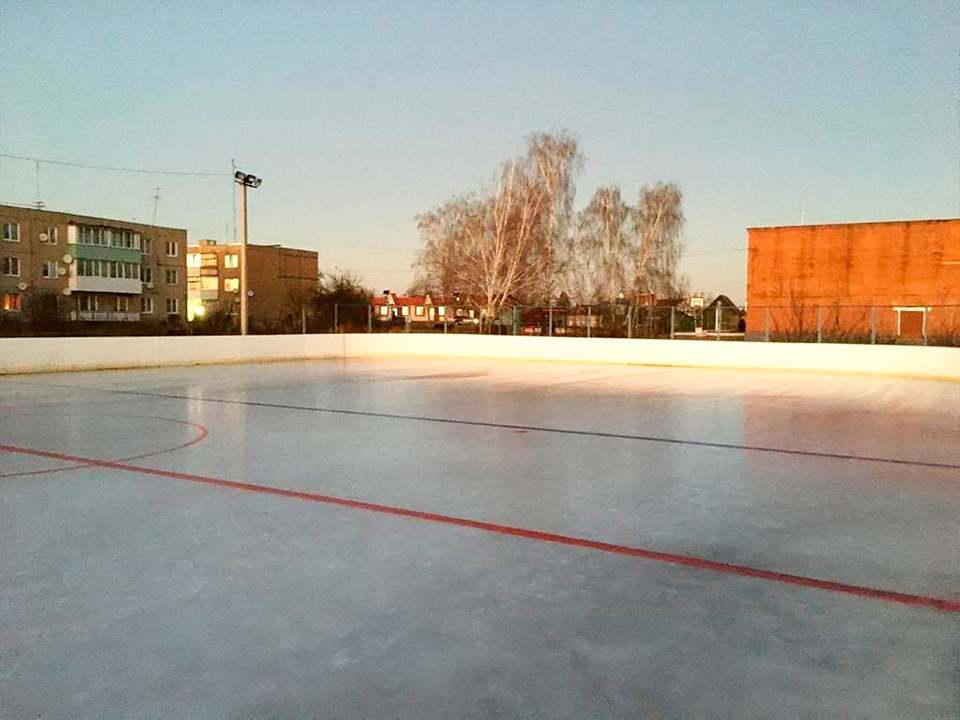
{"x": 897, "y": 279}
{"x": 282, "y": 282}
{"x": 77, "y": 267}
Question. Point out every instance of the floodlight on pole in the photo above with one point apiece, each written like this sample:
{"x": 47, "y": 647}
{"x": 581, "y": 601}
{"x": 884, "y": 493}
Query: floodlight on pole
{"x": 244, "y": 180}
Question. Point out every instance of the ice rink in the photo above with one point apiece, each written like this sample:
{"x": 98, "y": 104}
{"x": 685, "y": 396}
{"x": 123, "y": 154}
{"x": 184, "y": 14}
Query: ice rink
{"x": 426, "y": 538}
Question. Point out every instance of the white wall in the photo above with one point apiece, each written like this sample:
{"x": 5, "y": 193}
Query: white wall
{"x": 18, "y": 355}
{"x": 900, "y": 360}
{"x": 58, "y": 354}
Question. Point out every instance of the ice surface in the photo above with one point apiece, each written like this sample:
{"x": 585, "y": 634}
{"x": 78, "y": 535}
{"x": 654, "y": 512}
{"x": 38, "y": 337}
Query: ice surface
{"x": 129, "y": 595}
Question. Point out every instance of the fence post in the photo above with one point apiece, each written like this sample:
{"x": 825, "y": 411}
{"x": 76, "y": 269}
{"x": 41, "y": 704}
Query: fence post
{"x": 672, "y": 320}
{"x": 550, "y": 320}
{"x": 303, "y": 320}
{"x": 717, "y": 318}
{"x": 369, "y": 318}
{"x": 588, "y": 321}
{"x": 516, "y": 329}
{"x": 629, "y": 321}
{"x": 406, "y": 323}
{"x": 335, "y": 319}
{"x": 873, "y": 325}
{"x": 444, "y": 322}
{"x": 766, "y": 324}
{"x": 924, "y": 321}
{"x": 819, "y": 323}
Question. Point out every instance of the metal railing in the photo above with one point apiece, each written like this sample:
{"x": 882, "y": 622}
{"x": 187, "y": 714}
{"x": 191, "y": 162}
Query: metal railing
{"x": 937, "y": 324}
{"x": 923, "y": 325}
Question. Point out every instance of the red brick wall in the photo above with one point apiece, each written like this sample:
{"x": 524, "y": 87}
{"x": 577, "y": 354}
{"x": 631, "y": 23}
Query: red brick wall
{"x": 847, "y": 269}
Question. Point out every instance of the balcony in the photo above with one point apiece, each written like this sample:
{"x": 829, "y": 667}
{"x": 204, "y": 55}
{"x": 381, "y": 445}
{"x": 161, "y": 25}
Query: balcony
{"x": 105, "y": 316}
{"x": 124, "y": 286}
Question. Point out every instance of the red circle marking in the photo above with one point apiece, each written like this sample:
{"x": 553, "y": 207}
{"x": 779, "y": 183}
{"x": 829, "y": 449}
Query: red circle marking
{"x": 204, "y": 432}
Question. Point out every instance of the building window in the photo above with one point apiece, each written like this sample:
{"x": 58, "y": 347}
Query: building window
{"x": 172, "y": 306}
{"x": 193, "y": 283}
{"x": 92, "y": 268}
{"x": 50, "y": 269}
{"x": 121, "y": 239}
{"x": 10, "y": 232}
{"x": 12, "y": 302}
{"x": 231, "y": 284}
{"x": 173, "y": 248}
{"x": 92, "y": 235}
{"x": 193, "y": 259}
{"x": 123, "y": 303}
{"x": 87, "y": 303}
{"x": 146, "y": 246}
{"x": 209, "y": 283}
{"x": 418, "y": 310}
{"x": 10, "y": 266}
{"x": 172, "y": 277}
{"x": 208, "y": 260}
{"x": 146, "y": 274}
{"x": 50, "y": 236}
{"x": 231, "y": 261}
{"x": 384, "y": 310}
{"x": 442, "y": 310}
{"x": 146, "y": 305}
{"x": 406, "y": 310}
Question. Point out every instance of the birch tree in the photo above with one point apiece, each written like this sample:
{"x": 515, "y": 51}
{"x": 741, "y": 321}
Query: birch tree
{"x": 484, "y": 245}
{"x": 604, "y": 248}
{"x": 438, "y": 267}
{"x": 497, "y": 254}
{"x": 658, "y": 223}
{"x": 556, "y": 159}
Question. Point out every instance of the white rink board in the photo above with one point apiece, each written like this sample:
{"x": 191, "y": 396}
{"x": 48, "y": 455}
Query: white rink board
{"x": 27, "y": 355}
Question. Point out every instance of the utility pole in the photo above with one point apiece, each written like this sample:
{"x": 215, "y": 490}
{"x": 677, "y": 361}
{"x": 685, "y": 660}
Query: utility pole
{"x": 233, "y": 198}
{"x": 243, "y": 266}
{"x": 156, "y": 200}
{"x": 244, "y": 180}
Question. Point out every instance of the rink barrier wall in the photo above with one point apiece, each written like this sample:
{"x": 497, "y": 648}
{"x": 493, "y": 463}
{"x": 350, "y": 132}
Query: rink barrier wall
{"x": 65, "y": 354}
{"x": 32, "y": 355}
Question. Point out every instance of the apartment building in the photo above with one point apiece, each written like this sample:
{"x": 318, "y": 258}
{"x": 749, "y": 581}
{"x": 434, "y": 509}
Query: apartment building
{"x": 83, "y": 268}
{"x": 280, "y": 282}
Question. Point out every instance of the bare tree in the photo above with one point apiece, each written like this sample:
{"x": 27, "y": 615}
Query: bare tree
{"x": 604, "y": 247}
{"x": 658, "y": 223}
{"x": 497, "y": 253}
{"x": 438, "y": 267}
{"x": 556, "y": 158}
{"x": 483, "y": 246}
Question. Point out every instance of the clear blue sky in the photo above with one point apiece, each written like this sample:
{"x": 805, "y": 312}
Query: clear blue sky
{"x": 358, "y": 116}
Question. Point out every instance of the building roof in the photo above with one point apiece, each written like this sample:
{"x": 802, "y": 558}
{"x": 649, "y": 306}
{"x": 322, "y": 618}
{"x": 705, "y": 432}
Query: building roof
{"x": 862, "y": 222}
{"x": 394, "y": 299}
{"x": 724, "y": 301}
{"x": 93, "y": 219}
{"x": 230, "y": 247}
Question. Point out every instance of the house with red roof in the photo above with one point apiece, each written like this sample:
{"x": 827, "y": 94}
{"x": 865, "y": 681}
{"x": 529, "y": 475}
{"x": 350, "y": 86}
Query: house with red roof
{"x": 391, "y": 307}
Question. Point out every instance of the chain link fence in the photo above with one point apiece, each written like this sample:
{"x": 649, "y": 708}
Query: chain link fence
{"x": 864, "y": 324}
{"x": 920, "y": 325}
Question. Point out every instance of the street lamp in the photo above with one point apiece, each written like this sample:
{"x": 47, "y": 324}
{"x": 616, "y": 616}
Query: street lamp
{"x": 244, "y": 180}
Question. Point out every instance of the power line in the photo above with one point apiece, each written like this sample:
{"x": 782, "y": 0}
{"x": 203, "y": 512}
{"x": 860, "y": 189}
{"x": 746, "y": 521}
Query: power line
{"x": 380, "y": 247}
{"x": 409, "y": 249}
{"x": 112, "y": 168}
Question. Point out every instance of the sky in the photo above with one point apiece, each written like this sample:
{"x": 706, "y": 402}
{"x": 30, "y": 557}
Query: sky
{"x": 359, "y": 116}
